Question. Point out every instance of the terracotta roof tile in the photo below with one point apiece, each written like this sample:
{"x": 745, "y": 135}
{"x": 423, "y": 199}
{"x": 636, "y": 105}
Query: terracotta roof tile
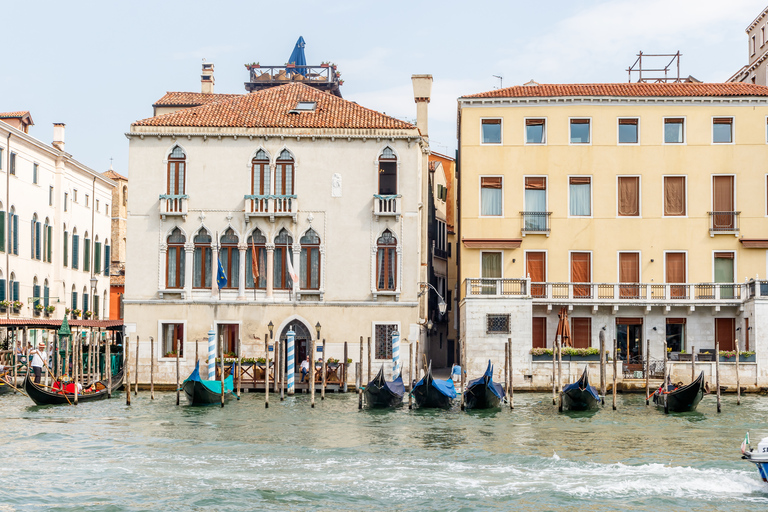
{"x": 117, "y": 280}
{"x": 14, "y": 115}
{"x": 190, "y": 99}
{"x": 270, "y": 108}
{"x": 113, "y": 175}
{"x": 626, "y": 90}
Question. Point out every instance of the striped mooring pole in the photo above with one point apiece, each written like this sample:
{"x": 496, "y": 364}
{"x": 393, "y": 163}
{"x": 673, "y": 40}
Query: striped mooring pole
{"x": 212, "y": 355}
{"x": 291, "y": 361}
{"x": 395, "y": 354}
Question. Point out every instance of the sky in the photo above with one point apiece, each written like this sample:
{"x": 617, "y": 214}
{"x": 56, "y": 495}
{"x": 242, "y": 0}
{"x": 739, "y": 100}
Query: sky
{"x": 99, "y": 66}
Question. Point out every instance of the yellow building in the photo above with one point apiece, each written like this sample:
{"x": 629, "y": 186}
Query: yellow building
{"x": 624, "y": 203}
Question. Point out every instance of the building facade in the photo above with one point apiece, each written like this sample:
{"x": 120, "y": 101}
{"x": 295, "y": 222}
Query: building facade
{"x": 756, "y": 70}
{"x": 640, "y": 208}
{"x": 117, "y": 256}
{"x": 310, "y": 204}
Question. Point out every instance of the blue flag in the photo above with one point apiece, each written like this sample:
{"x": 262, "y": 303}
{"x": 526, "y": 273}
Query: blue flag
{"x": 221, "y": 277}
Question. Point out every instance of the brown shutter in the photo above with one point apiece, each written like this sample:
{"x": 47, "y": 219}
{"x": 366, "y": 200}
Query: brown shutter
{"x": 673, "y": 120}
{"x": 535, "y": 265}
{"x": 581, "y": 332}
{"x": 676, "y": 321}
{"x": 628, "y": 121}
{"x": 579, "y": 180}
{"x": 722, "y": 201}
{"x": 722, "y": 120}
{"x": 490, "y": 182}
{"x": 539, "y": 331}
{"x": 629, "y": 196}
{"x": 534, "y": 122}
{"x": 536, "y": 183}
{"x": 674, "y": 195}
{"x": 725, "y": 332}
{"x": 726, "y": 255}
{"x": 629, "y": 272}
{"x": 629, "y": 321}
{"x": 579, "y": 121}
{"x": 491, "y": 121}
{"x": 580, "y": 273}
{"x": 676, "y": 273}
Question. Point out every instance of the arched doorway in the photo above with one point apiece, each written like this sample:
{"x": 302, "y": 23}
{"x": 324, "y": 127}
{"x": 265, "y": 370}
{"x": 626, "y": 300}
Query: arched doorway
{"x": 301, "y": 341}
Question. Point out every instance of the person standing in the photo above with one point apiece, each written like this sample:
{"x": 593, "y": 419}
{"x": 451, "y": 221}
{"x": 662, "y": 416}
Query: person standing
{"x": 38, "y": 358}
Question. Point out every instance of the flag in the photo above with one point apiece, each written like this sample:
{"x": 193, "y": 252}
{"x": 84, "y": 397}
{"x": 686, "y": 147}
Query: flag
{"x": 255, "y": 266}
{"x": 745, "y": 444}
{"x": 221, "y": 277}
{"x": 291, "y": 271}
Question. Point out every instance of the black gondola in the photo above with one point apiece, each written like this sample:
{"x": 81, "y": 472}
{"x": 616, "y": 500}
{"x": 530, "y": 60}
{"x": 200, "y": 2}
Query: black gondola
{"x": 483, "y": 393}
{"x": 380, "y": 393}
{"x": 580, "y": 396}
{"x": 4, "y": 386}
{"x": 681, "y": 399}
{"x": 205, "y": 392}
{"x": 42, "y": 396}
{"x": 431, "y": 392}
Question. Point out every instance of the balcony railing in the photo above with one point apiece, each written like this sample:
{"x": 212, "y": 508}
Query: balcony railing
{"x": 500, "y": 287}
{"x": 386, "y": 205}
{"x": 536, "y": 222}
{"x": 271, "y": 206}
{"x": 173, "y": 205}
{"x": 758, "y": 288}
{"x": 724, "y": 223}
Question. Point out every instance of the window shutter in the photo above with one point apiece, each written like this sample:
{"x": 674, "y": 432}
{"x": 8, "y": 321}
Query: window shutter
{"x": 37, "y": 241}
{"x": 579, "y": 180}
{"x": 87, "y": 256}
{"x": 36, "y": 294}
{"x": 2, "y": 289}
{"x": 2, "y": 231}
{"x": 50, "y": 242}
{"x": 536, "y": 183}
{"x": 107, "y": 261}
{"x": 75, "y": 251}
{"x": 32, "y": 240}
{"x": 16, "y": 235}
{"x": 74, "y": 300}
{"x": 534, "y": 122}
{"x": 15, "y": 290}
{"x": 490, "y": 182}
{"x": 628, "y": 121}
{"x": 46, "y": 292}
{"x": 85, "y": 302}
{"x": 97, "y": 259}
{"x": 66, "y": 249}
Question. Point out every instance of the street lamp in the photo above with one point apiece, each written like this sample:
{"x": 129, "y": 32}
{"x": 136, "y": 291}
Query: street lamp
{"x": 317, "y": 326}
{"x": 270, "y": 326}
{"x": 441, "y": 305}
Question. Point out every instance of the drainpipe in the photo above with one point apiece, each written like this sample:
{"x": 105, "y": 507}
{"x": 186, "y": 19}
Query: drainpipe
{"x": 8, "y": 211}
{"x": 92, "y": 263}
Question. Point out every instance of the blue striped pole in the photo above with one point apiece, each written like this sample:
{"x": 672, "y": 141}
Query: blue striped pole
{"x": 395, "y": 354}
{"x": 291, "y": 360}
{"x": 212, "y": 354}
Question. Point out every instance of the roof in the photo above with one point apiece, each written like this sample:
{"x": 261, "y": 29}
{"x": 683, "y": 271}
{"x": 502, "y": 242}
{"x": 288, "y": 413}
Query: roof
{"x": 190, "y": 99}
{"x": 14, "y": 115}
{"x": 677, "y": 89}
{"x": 272, "y": 108}
{"x": 117, "y": 280}
{"x": 114, "y": 175}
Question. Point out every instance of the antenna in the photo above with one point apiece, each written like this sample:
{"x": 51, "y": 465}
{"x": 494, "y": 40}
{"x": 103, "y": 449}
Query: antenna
{"x": 501, "y": 80}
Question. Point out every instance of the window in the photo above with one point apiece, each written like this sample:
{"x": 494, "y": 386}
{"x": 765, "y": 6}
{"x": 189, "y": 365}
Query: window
{"x": 497, "y": 324}
{"x": 229, "y": 255}
{"x": 74, "y": 195}
{"x": 724, "y": 216}
{"x": 581, "y": 332}
{"x": 65, "y": 248}
{"x": 629, "y": 272}
{"x": 2, "y": 230}
{"x": 491, "y": 196}
{"x": 305, "y": 106}
{"x": 539, "y": 332}
{"x": 629, "y": 196}
{"x": 722, "y": 130}
{"x": 628, "y": 131}
{"x": 284, "y": 174}
{"x": 724, "y": 272}
{"x": 46, "y": 294}
{"x": 106, "y": 209}
{"x": 387, "y": 172}
{"x": 50, "y": 196}
{"x": 13, "y": 163}
{"x": 97, "y": 205}
{"x": 673, "y": 130}
{"x": 580, "y": 131}
{"x": 47, "y": 240}
{"x": 383, "y": 333}
{"x": 283, "y": 261}
{"x": 581, "y": 272}
{"x": 66, "y": 200}
{"x": 491, "y": 129}
{"x": 754, "y": 46}
{"x": 535, "y": 131}
{"x": 97, "y": 256}
{"x": 34, "y": 245}
{"x": 173, "y": 340}
{"x": 762, "y": 36}
{"x": 580, "y": 196}
{"x": 74, "y": 298}
{"x": 674, "y": 196}
{"x": 87, "y": 253}
{"x": 107, "y": 261}
{"x": 535, "y": 204}
{"x": 676, "y": 334}
{"x": 725, "y": 333}
{"x": 13, "y": 287}
{"x": 257, "y": 252}
{"x": 201, "y": 260}
{"x": 441, "y": 233}
{"x": 34, "y": 173}
{"x": 675, "y": 266}
{"x": 629, "y": 336}
{"x": 1, "y": 159}
{"x": 386, "y": 262}
{"x": 87, "y": 198}
{"x": 260, "y": 185}
{"x": 490, "y": 265}
{"x": 75, "y": 250}
{"x": 177, "y": 162}
{"x": 175, "y": 260}
{"x": 536, "y": 270}
{"x": 310, "y": 261}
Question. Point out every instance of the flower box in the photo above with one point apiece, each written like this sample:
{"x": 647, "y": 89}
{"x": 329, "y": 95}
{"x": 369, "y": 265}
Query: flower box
{"x": 705, "y": 357}
{"x": 541, "y": 357}
{"x": 591, "y": 357}
{"x": 747, "y": 359}
{"x": 724, "y": 359}
{"x": 685, "y": 357}
{"x": 16, "y": 310}
{"x": 36, "y": 312}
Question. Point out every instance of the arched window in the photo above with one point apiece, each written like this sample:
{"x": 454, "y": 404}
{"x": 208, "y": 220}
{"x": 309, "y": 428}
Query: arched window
{"x": 177, "y": 162}
{"x": 96, "y": 255}
{"x": 65, "y": 247}
{"x": 3, "y": 289}
{"x": 36, "y": 296}
{"x": 284, "y": 174}
{"x": 87, "y": 252}
{"x": 175, "y": 260}
{"x": 260, "y": 185}
{"x": 283, "y": 251}
{"x": 387, "y": 172}
{"x": 2, "y": 229}
{"x": 310, "y": 261}
{"x": 229, "y": 256}
{"x": 386, "y": 262}
{"x": 13, "y": 232}
{"x": 35, "y": 248}
{"x": 46, "y": 293}
{"x": 107, "y": 256}
{"x": 75, "y": 250}
{"x": 86, "y": 302}
{"x": 47, "y": 240}
{"x": 202, "y": 260}
{"x": 74, "y": 298}
{"x": 125, "y": 195}
{"x": 256, "y": 274}
{"x": 13, "y": 287}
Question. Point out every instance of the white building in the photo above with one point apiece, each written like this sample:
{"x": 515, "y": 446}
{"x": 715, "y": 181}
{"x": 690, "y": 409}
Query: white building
{"x": 54, "y": 228}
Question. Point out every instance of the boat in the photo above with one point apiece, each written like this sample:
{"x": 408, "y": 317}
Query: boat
{"x": 5, "y": 387}
{"x": 680, "y": 399}
{"x": 57, "y": 396}
{"x": 483, "y": 393}
{"x": 580, "y": 396}
{"x": 380, "y": 393}
{"x": 432, "y": 392}
{"x": 759, "y": 458}
{"x": 205, "y": 392}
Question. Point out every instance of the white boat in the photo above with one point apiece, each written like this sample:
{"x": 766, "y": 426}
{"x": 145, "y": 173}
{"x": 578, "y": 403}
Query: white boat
{"x": 758, "y": 457}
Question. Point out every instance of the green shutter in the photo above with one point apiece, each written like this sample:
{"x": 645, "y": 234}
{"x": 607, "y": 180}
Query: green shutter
{"x": 16, "y": 235}
{"x": 50, "y": 243}
{"x": 66, "y": 249}
{"x": 97, "y": 259}
{"x": 46, "y": 296}
{"x": 15, "y": 290}
{"x": 107, "y": 261}
{"x": 2, "y": 289}
{"x": 2, "y": 231}
{"x": 37, "y": 241}
{"x": 87, "y": 257}
{"x": 75, "y": 251}
{"x": 74, "y": 300}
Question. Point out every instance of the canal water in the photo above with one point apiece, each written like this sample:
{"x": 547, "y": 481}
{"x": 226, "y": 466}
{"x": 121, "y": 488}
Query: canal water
{"x": 154, "y": 455}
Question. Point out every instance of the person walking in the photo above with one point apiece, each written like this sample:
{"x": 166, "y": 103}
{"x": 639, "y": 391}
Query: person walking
{"x": 39, "y": 356}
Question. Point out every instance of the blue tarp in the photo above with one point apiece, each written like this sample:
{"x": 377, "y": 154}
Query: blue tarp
{"x": 497, "y": 389}
{"x": 575, "y": 386}
{"x": 397, "y": 386}
{"x": 298, "y": 58}
{"x": 213, "y": 385}
{"x": 443, "y": 386}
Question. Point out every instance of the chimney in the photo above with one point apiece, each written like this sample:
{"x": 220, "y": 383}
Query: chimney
{"x": 206, "y": 79}
{"x": 58, "y": 136}
{"x": 422, "y": 92}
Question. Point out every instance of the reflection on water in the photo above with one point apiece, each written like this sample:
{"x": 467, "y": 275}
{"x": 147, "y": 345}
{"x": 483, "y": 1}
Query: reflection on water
{"x": 155, "y": 455}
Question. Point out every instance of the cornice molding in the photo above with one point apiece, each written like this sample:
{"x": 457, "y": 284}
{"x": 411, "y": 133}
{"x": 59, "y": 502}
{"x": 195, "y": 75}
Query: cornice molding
{"x": 610, "y": 100}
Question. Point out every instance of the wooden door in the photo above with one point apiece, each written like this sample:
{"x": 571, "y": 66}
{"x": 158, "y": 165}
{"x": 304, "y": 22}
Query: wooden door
{"x": 722, "y": 203}
{"x": 725, "y": 333}
{"x": 535, "y": 268}
{"x": 629, "y": 272}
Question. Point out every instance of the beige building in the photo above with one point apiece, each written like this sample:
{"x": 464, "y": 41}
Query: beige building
{"x": 640, "y": 208}
{"x": 310, "y": 203}
{"x": 756, "y": 70}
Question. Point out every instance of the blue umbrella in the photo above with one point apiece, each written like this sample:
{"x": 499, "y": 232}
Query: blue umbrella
{"x": 297, "y": 57}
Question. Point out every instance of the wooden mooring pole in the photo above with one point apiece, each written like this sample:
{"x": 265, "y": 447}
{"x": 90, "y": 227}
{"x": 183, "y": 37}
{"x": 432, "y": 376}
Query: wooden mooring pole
{"x": 107, "y": 366}
{"x": 717, "y": 369}
{"x": 463, "y": 348}
{"x": 136, "y": 377}
{"x": 369, "y": 361}
{"x": 178, "y": 373}
{"x": 266, "y": 371}
{"x": 312, "y": 373}
{"x": 602, "y": 365}
{"x": 344, "y": 368}
{"x": 559, "y": 374}
{"x": 511, "y": 375}
{"x": 506, "y": 368}
{"x": 666, "y": 377}
{"x": 647, "y": 371}
{"x": 282, "y": 369}
{"x": 738, "y": 380}
{"x": 416, "y": 362}
{"x": 126, "y": 368}
{"x": 615, "y": 357}
{"x": 693, "y": 363}
{"x": 359, "y": 372}
{"x": 151, "y": 368}
{"x": 554, "y": 372}
{"x": 410, "y": 375}
{"x": 325, "y": 367}
{"x": 221, "y": 373}
{"x": 240, "y": 367}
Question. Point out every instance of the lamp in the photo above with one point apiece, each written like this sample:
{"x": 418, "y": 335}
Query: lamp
{"x": 441, "y": 305}
{"x": 94, "y": 284}
{"x": 317, "y": 327}
{"x": 270, "y": 326}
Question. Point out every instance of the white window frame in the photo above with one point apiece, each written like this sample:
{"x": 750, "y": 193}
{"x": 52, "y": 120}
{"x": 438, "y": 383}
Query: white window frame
{"x": 590, "y": 131}
{"x": 546, "y": 262}
{"x": 687, "y": 265}
{"x": 664, "y": 216}
{"x": 481, "y": 264}
{"x": 501, "y": 130}
{"x": 546, "y": 190}
{"x": 373, "y": 337}
{"x": 735, "y": 261}
{"x": 543, "y": 135}
{"x": 591, "y": 197}
{"x": 160, "y": 323}
{"x": 618, "y": 143}
{"x": 685, "y": 131}
{"x": 618, "y": 263}
{"x": 733, "y": 131}
{"x": 480, "y": 196}
{"x": 712, "y": 191}
{"x": 639, "y": 196}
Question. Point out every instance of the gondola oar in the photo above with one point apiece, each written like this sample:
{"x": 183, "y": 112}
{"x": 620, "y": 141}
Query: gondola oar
{"x": 14, "y": 387}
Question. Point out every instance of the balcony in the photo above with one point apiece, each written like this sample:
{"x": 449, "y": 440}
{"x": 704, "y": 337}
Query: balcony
{"x": 173, "y": 205}
{"x": 536, "y": 223}
{"x": 271, "y": 206}
{"x": 386, "y": 206}
{"x": 723, "y": 223}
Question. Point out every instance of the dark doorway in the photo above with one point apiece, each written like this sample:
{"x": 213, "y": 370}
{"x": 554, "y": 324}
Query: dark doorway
{"x": 300, "y": 343}
{"x": 230, "y": 332}
{"x": 629, "y": 339}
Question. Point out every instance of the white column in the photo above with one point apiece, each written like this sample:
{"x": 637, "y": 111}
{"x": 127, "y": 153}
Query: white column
{"x": 189, "y": 263}
{"x": 241, "y": 282}
{"x": 162, "y": 263}
{"x": 214, "y": 269}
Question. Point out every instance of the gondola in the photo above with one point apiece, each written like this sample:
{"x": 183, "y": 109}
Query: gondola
{"x": 380, "y": 393}
{"x": 432, "y": 392}
{"x": 580, "y": 396}
{"x": 483, "y": 393}
{"x": 43, "y": 396}
{"x": 4, "y": 386}
{"x": 681, "y": 399}
{"x": 205, "y": 392}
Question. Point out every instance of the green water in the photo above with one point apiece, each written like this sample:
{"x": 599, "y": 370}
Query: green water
{"x": 154, "y": 455}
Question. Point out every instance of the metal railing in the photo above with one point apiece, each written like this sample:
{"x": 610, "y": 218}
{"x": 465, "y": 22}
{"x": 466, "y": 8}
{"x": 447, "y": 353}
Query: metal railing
{"x": 386, "y": 204}
{"x": 723, "y": 222}
{"x": 499, "y": 287}
{"x": 536, "y": 222}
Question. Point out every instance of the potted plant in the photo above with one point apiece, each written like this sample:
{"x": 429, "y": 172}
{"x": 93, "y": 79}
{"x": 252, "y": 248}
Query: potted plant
{"x": 541, "y": 354}
{"x": 341, "y": 82}
{"x": 332, "y": 362}
{"x": 49, "y": 310}
{"x": 706, "y": 355}
{"x": 324, "y": 64}
{"x": 290, "y": 65}
{"x": 38, "y": 309}
{"x": 727, "y": 356}
{"x": 747, "y": 356}
{"x": 172, "y": 353}
{"x": 76, "y": 313}
{"x": 684, "y": 356}
{"x": 17, "y": 304}
{"x": 4, "y": 305}
{"x": 87, "y": 315}
{"x": 582, "y": 354}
